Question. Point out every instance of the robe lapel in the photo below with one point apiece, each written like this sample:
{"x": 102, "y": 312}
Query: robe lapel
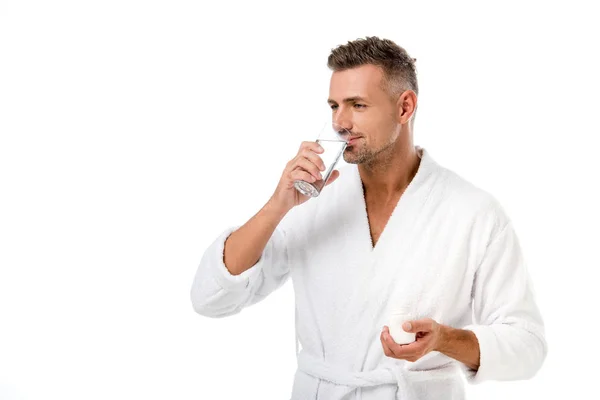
{"x": 380, "y": 276}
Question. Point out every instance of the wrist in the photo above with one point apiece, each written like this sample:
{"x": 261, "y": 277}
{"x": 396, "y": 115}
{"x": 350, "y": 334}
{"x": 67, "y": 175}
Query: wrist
{"x": 444, "y": 336}
{"x": 275, "y": 208}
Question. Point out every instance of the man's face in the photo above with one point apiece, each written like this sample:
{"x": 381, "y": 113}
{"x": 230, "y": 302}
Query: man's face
{"x": 360, "y": 104}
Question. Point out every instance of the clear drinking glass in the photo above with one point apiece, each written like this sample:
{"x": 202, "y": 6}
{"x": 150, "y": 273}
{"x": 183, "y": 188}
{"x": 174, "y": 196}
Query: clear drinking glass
{"x": 334, "y": 139}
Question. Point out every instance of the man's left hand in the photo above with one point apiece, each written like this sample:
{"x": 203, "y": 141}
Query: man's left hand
{"x": 429, "y": 335}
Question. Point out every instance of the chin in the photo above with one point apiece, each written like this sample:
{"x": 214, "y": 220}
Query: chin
{"x": 351, "y": 158}
{"x": 352, "y": 155}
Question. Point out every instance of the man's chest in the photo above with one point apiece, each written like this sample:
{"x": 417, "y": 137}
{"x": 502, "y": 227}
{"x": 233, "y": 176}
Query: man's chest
{"x": 378, "y": 216}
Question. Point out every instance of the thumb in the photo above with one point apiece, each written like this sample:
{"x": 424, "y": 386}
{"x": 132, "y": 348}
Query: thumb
{"x": 420, "y": 325}
{"x": 334, "y": 175}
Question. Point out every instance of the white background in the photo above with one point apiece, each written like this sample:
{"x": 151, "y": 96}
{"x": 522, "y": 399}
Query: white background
{"x": 133, "y": 132}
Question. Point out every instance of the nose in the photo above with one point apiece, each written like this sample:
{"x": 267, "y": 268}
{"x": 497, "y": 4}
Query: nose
{"x": 340, "y": 123}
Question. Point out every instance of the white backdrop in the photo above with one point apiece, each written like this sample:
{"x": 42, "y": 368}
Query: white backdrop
{"x": 133, "y": 132}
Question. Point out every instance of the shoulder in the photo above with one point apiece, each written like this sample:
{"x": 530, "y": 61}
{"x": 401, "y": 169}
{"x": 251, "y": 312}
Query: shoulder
{"x": 470, "y": 201}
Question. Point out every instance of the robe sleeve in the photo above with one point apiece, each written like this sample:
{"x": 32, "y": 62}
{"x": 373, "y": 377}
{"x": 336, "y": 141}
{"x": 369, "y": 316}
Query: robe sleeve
{"x": 506, "y": 318}
{"x": 217, "y": 293}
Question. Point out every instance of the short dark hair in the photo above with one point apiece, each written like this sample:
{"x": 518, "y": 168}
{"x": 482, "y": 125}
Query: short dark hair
{"x": 399, "y": 70}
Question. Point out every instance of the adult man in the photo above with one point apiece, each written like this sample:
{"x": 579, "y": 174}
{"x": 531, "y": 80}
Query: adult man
{"x": 396, "y": 229}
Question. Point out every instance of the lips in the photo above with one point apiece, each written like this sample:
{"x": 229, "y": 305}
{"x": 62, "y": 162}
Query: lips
{"x": 353, "y": 140}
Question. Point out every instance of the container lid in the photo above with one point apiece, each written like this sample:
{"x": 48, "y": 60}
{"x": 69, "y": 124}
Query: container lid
{"x": 401, "y": 309}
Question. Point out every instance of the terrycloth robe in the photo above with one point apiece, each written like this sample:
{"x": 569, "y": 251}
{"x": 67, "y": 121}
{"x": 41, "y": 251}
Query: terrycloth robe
{"x": 448, "y": 251}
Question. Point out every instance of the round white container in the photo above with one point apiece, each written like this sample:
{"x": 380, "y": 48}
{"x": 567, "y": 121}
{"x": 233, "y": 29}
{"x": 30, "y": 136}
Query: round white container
{"x": 397, "y": 318}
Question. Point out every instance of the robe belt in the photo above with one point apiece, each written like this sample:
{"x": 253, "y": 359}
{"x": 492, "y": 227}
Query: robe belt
{"x": 318, "y": 368}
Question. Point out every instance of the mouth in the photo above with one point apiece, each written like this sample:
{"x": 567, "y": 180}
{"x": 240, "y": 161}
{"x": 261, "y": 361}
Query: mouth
{"x": 353, "y": 140}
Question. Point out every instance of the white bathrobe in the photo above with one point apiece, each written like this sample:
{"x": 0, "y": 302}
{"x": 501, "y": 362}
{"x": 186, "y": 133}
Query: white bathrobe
{"x": 449, "y": 251}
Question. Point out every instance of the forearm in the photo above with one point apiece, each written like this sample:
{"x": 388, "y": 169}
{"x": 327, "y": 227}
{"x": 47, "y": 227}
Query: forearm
{"x": 460, "y": 344}
{"x": 244, "y": 247}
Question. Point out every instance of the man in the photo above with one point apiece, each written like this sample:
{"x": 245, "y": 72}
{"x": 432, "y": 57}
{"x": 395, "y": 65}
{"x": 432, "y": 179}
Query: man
{"x": 395, "y": 230}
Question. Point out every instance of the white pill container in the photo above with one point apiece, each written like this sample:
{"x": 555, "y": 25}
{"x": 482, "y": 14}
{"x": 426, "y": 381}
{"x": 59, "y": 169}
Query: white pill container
{"x": 399, "y": 316}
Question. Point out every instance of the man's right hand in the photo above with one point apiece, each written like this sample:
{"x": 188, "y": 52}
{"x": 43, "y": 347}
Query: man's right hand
{"x": 306, "y": 166}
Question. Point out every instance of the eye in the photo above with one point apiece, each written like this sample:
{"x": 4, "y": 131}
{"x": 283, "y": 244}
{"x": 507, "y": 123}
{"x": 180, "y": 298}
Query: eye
{"x": 333, "y": 107}
{"x": 359, "y": 105}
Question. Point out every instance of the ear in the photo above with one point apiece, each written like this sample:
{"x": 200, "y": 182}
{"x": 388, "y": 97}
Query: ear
{"x": 406, "y": 106}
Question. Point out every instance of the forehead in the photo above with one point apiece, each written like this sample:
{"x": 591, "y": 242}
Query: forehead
{"x": 362, "y": 81}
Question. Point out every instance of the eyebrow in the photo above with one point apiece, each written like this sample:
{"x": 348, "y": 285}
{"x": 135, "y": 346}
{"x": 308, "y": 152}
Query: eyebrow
{"x": 348, "y": 100}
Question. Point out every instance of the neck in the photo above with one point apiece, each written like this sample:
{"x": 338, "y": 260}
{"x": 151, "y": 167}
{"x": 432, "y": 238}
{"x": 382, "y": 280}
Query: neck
{"x": 389, "y": 175}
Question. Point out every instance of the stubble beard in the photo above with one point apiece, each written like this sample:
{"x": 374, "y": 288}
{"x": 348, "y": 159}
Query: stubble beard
{"x": 369, "y": 157}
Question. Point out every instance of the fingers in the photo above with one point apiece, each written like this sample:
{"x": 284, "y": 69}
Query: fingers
{"x": 308, "y": 160}
{"x": 388, "y": 343}
{"x": 309, "y": 166}
{"x": 311, "y": 154}
{"x": 410, "y": 352}
{"x": 314, "y": 146}
{"x": 386, "y": 349}
{"x": 299, "y": 174}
